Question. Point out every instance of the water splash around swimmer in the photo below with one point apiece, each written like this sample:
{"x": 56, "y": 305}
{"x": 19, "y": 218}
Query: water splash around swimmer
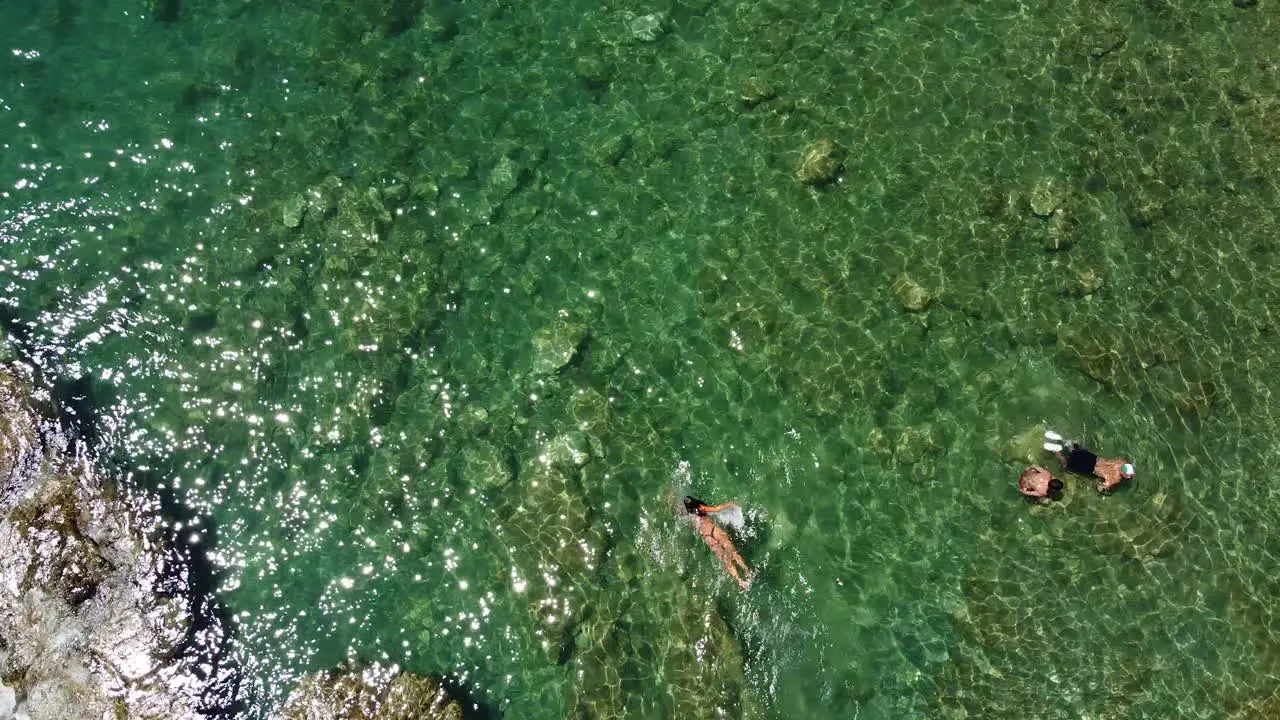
{"x": 732, "y": 517}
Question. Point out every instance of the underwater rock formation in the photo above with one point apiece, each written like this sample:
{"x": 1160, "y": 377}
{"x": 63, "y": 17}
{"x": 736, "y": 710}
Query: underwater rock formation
{"x": 372, "y": 693}
{"x": 657, "y": 630}
{"x": 913, "y": 296}
{"x": 1083, "y": 281}
{"x": 821, "y": 163}
{"x": 647, "y": 28}
{"x": 1152, "y": 529}
{"x": 560, "y": 546}
{"x": 1047, "y": 197}
{"x": 1056, "y": 207}
{"x": 755, "y": 90}
{"x": 556, "y": 345}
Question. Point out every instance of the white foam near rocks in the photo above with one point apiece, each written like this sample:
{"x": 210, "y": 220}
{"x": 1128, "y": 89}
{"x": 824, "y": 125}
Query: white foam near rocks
{"x": 8, "y": 702}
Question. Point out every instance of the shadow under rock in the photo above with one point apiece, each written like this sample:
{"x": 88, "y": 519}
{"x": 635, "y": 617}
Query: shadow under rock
{"x": 190, "y": 574}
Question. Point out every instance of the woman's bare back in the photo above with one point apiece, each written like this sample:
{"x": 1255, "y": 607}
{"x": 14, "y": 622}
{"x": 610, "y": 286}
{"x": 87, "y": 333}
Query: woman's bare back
{"x": 722, "y": 546}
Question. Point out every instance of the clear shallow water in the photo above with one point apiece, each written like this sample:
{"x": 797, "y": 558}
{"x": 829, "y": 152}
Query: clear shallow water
{"x": 355, "y": 412}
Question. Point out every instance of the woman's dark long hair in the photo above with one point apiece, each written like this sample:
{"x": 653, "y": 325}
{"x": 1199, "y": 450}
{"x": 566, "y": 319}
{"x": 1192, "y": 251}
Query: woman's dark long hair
{"x": 694, "y": 506}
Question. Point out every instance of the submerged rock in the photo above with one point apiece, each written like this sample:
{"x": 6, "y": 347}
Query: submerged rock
{"x": 1027, "y": 447}
{"x": 697, "y": 656}
{"x": 647, "y": 28}
{"x": 1197, "y": 399}
{"x": 755, "y": 90}
{"x": 293, "y": 210}
{"x": 993, "y": 201}
{"x": 589, "y": 409}
{"x": 820, "y": 163}
{"x": 915, "y": 443}
{"x": 166, "y": 12}
{"x": 556, "y": 345}
{"x": 1063, "y": 231}
{"x": 372, "y": 693}
{"x": 913, "y": 296}
{"x": 483, "y": 465}
{"x": 322, "y": 199}
{"x": 610, "y": 151}
{"x": 1148, "y": 530}
{"x": 593, "y": 70}
{"x": 1047, "y": 196}
{"x": 879, "y": 443}
{"x": 570, "y": 450}
{"x": 556, "y": 543}
{"x": 1083, "y": 281}
{"x": 505, "y": 179}
{"x": 363, "y": 216}
{"x": 1054, "y": 204}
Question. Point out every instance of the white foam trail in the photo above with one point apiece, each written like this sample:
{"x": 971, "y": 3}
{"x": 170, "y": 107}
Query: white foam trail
{"x": 731, "y": 517}
{"x": 682, "y": 478}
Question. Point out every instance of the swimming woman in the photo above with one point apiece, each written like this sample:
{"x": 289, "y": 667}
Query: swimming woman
{"x": 717, "y": 539}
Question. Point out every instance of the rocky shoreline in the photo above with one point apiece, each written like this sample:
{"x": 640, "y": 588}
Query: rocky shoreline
{"x": 97, "y": 618}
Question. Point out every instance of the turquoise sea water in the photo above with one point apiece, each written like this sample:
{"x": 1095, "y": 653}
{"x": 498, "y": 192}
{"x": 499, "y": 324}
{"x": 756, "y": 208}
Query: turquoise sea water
{"x": 422, "y": 310}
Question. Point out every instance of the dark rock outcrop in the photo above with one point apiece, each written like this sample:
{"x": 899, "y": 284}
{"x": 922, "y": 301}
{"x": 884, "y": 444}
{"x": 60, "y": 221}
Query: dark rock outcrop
{"x": 88, "y": 627}
{"x": 97, "y": 618}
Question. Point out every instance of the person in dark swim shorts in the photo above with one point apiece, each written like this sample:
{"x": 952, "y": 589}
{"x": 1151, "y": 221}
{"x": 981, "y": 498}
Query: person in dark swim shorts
{"x": 1078, "y": 459}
